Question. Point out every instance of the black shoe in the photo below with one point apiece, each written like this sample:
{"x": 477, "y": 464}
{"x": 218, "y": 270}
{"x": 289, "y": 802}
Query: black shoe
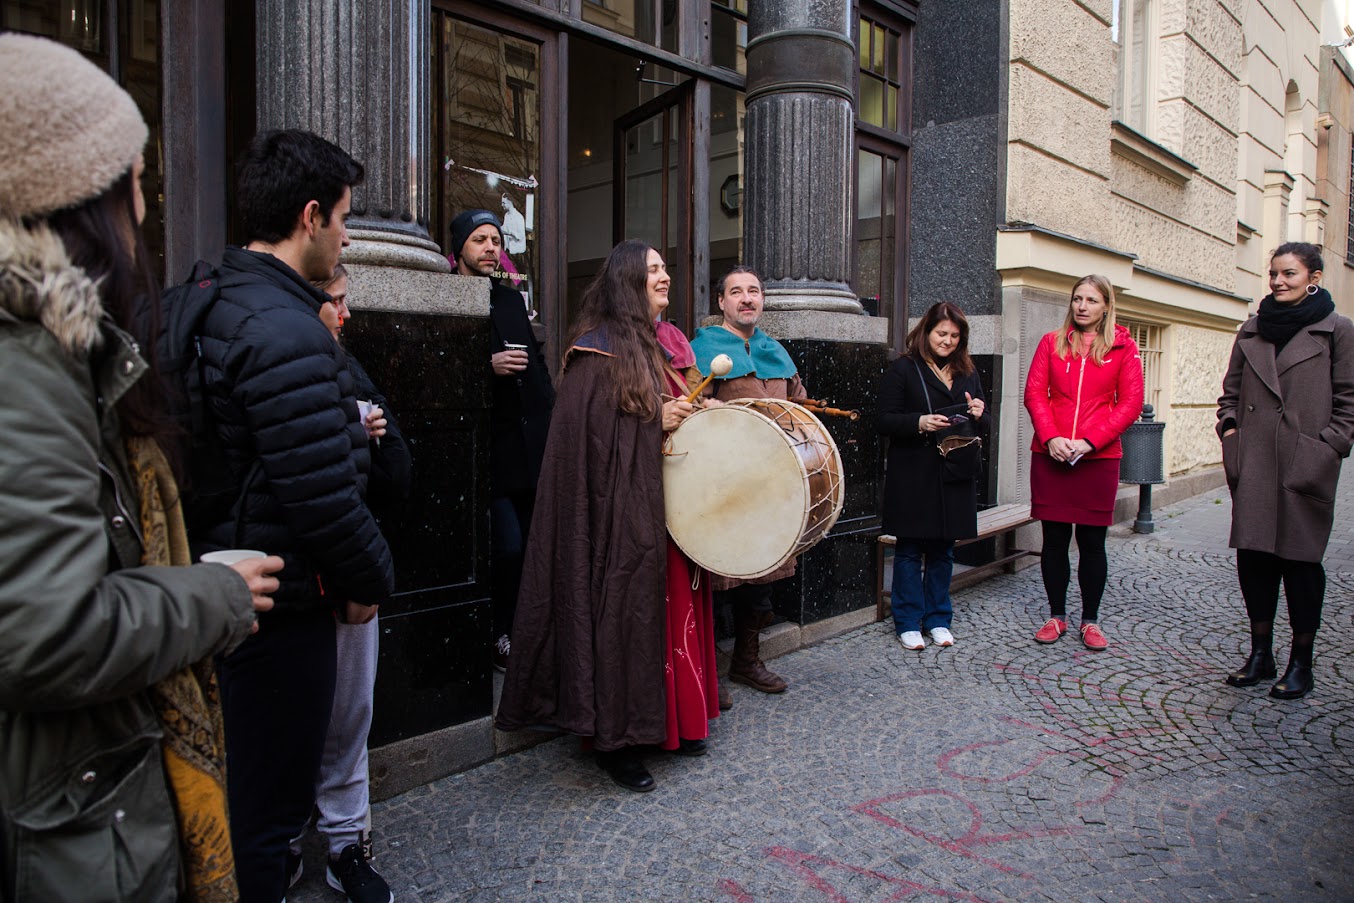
{"x": 1259, "y": 666}
{"x": 691, "y": 748}
{"x": 352, "y": 875}
{"x": 626, "y": 769}
{"x": 502, "y": 649}
{"x": 1296, "y": 681}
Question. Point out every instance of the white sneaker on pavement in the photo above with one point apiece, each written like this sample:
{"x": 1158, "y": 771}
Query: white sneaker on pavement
{"x": 941, "y": 636}
{"x": 912, "y": 640}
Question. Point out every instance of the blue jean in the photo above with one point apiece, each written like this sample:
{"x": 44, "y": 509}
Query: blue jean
{"x": 921, "y": 584}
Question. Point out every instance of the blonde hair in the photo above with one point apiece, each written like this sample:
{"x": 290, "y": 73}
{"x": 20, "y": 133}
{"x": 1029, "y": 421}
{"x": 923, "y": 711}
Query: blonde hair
{"x": 1104, "y": 338}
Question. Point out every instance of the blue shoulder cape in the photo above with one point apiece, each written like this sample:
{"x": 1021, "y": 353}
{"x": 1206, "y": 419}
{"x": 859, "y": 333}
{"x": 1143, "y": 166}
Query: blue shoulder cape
{"x": 762, "y": 357}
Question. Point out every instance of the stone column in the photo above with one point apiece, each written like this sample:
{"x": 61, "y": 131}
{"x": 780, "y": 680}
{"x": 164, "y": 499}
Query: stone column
{"x": 356, "y": 72}
{"x": 798, "y": 215}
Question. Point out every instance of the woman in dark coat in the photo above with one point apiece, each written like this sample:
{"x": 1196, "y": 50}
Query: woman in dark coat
{"x": 929, "y": 393}
{"x": 1286, "y": 419}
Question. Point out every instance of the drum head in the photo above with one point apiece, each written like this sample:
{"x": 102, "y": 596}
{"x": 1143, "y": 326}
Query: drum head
{"x": 734, "y": 492}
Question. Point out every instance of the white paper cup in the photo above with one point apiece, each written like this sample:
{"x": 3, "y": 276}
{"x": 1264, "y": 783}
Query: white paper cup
{"x": 232, "y": 556}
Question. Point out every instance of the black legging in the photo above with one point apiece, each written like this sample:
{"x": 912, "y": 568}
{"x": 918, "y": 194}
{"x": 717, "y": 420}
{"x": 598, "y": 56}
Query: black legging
{"x": 1304, "y": 584}
{"x": 1092, "y": 570}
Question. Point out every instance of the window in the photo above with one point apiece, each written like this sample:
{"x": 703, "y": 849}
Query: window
{"x": 880, "y": 74}
{"x": 729, "y": 34}
{"x": 651, "y": 21}
{"x": 1133, "y": 30}
{"x": 883, "y": 131}
{"x": 1349, "y": 235}
{"x": 487, "y": 128}
{"x": 124, "y": 42}
{"x": 1151, "y": 342}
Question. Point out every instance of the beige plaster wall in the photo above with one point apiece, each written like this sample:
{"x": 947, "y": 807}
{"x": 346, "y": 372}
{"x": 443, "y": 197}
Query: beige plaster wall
{"x": 1197, "y": 365}
{"x": 1061, "y": 83}
{"x": 1333, "y": 178}
{"x": 1281, "y": 48}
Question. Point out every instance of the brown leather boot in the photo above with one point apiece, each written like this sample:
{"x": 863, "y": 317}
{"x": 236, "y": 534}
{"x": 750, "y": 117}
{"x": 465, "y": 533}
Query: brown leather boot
{"x": 747, "y": 667}
{"x": 725, "y": 697}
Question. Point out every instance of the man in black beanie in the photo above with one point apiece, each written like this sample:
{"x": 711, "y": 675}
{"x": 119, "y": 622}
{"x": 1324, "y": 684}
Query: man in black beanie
{"x": 519, "y": 421}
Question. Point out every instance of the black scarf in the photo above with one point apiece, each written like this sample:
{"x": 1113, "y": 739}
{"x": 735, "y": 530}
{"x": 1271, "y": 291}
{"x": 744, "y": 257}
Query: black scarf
{"x": 1278, "y": 323}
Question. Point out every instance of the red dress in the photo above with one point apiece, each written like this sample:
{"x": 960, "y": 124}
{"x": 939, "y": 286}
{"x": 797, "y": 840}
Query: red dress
{"x": 690, "y": 680}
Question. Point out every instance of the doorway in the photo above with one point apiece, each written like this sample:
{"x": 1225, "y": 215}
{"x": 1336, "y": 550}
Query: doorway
{"x": 629, "y": 169}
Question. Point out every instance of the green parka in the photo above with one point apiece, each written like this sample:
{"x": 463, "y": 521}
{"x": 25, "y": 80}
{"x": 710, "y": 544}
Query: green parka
{"x": 84, "y": 629}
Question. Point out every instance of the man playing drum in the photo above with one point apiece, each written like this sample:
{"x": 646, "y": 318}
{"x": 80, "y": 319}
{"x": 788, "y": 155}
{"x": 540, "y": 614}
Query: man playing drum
{"x": 761, "y": 369}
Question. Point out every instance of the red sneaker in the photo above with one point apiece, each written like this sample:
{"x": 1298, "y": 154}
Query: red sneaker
{"x": 1093, "y": 639}
{"x": 1053, "y": 629}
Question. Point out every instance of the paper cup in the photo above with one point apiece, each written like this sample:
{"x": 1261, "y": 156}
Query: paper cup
{"x": 232, "y": 556}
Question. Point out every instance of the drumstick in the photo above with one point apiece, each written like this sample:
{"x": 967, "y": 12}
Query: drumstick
{"x": 720, "y": 365}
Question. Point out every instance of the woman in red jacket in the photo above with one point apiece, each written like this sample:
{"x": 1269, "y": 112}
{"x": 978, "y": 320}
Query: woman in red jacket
{"x": 1084, "y": 389}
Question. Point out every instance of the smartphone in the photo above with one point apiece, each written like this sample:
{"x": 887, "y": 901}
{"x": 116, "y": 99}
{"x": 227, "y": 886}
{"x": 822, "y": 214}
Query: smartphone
{"x": 958, "y": 418}
{"x": 513, "y": 346}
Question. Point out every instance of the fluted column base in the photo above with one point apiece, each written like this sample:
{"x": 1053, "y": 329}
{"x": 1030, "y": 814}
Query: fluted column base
{"x": 382, "y": 248}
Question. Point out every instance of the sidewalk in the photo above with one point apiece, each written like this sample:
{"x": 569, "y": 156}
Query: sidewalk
{"x": 995, "y": 770}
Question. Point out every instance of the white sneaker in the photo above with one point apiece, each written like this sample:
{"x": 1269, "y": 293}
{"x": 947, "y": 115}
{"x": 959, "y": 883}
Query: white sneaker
{"x": 912, "y": 640}
{"x": 941, "y": 636}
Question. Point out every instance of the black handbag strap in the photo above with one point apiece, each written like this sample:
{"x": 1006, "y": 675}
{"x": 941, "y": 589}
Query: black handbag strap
{"x": 924, "y": 392}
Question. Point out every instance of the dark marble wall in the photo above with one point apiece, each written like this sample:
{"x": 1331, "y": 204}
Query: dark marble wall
{"x": 436, "y": 632}
{"x": 837, "y": 575}
{"x": 958, "y": 182}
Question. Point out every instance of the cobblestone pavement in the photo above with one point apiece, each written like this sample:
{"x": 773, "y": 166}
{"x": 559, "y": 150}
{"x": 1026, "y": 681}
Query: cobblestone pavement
{"x": 995, "y": 770}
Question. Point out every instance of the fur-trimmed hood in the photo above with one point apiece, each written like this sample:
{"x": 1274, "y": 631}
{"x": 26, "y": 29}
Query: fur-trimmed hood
{"x": 39, "y": 284}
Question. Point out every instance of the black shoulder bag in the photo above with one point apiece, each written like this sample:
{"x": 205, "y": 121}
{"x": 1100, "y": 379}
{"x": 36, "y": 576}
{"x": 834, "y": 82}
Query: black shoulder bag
{"x": 959, "y": 445}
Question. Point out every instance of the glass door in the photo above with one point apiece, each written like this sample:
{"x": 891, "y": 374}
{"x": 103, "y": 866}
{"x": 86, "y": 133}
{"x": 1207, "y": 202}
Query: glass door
{"x": 652, "y": 197}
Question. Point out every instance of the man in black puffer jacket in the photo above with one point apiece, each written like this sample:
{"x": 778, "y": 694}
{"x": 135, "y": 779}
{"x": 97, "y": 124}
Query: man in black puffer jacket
{"x": 281, "y": 402}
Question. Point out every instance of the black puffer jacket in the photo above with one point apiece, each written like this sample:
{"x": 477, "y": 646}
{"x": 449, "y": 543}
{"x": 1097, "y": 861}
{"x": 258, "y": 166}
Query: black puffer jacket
{"x": 283, "y": 403}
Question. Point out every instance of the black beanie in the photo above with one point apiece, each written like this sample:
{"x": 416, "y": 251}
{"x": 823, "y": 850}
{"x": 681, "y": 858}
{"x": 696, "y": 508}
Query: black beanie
{"x": 468, "y": 221}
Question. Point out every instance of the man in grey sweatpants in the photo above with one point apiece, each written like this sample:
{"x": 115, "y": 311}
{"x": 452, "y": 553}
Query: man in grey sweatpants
{"x": 342, "y": 798}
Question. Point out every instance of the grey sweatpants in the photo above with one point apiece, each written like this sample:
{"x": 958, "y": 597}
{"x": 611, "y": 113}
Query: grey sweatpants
{"x": 342, "y": 796}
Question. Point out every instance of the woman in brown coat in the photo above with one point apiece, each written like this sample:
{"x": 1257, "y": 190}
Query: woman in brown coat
{"x": 1286, "y": 418}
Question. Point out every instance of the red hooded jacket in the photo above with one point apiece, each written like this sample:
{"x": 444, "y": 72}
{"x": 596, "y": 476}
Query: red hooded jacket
{"x": 1076, "y": 398}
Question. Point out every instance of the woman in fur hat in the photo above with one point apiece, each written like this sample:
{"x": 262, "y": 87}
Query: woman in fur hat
{"x": 112, "y": 781}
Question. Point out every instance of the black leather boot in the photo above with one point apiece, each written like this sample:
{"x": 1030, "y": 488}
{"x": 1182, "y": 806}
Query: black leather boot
{"x": 1297, "y": 680}
{"x": 626, "y": 769}
{"x": 1259, "y": 666}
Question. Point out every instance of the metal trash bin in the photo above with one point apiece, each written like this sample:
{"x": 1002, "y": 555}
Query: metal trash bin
{"x": 1144, "y": 463}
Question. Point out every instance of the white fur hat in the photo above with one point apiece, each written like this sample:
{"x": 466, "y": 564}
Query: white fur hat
{"x": 67, "y": 130}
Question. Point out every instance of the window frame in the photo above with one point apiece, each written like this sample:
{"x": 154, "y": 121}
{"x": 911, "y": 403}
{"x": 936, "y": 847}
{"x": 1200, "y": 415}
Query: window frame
{"x": 894, "y": 143}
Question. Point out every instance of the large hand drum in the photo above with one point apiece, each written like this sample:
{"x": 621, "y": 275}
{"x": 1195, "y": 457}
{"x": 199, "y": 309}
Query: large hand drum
{"x": 749, "y": 485}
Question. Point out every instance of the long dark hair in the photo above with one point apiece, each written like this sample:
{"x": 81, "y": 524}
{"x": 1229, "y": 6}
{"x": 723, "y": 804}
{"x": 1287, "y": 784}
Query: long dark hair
{"x": 104, "y": 239}
{"x": 617, "y": 301}
{"x": 917, "y": 348}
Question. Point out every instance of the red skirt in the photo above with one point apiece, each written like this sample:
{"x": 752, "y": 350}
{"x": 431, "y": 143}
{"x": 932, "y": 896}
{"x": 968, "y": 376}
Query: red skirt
{"x": 689, "y": 677}
{"x": 1083, "y": 494}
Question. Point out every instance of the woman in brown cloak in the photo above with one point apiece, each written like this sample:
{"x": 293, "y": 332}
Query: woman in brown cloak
{"x": 610, "y": 640}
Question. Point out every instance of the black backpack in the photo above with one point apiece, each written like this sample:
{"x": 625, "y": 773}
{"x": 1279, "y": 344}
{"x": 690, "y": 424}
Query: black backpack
{"x": 183, "y": 310}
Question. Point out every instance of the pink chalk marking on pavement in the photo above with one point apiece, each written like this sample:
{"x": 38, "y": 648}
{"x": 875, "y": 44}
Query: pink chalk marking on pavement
{"x": 734, "y": 890}
{"x": 960, "y": 845}
{"x": 800, "y": 864}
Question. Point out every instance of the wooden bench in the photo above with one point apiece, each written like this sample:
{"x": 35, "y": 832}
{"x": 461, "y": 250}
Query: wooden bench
{"x": 1000, "y": 522}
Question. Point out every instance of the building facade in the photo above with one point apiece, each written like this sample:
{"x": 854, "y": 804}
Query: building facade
{"x": 868, "y": 157}
{"x": 716, "y": 130}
